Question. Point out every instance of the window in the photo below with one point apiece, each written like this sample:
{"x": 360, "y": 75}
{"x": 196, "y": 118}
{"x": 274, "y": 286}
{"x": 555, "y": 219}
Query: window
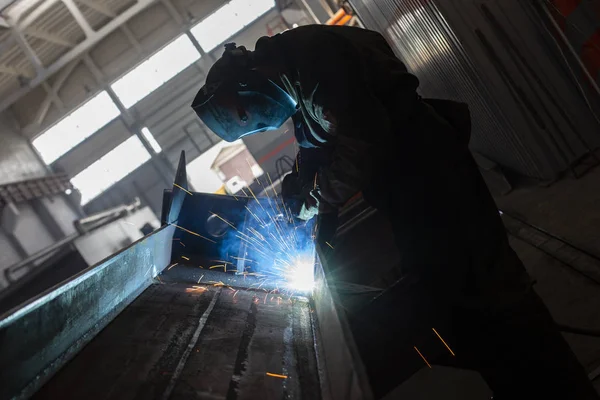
{"x": 227, "y": 20}
{"x": 111, "y": 168}
{"x": 150, "y": 138}
{"x": 156, "y": 70}
{"x": 76, "y": 127}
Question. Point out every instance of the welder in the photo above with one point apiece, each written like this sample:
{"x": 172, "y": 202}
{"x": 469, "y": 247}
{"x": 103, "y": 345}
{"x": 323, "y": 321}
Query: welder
{"x": 356, "y": 106}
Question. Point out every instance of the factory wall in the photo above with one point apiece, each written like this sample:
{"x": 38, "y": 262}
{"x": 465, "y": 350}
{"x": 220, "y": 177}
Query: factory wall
{"x": 531, "y": 107}
{"x": 114, "y": 55}
{"x": 28, "y": 227}
{"x": 18, "y": 160}
{"x": 274, "y": 148}
{"x": 167, "y": 114}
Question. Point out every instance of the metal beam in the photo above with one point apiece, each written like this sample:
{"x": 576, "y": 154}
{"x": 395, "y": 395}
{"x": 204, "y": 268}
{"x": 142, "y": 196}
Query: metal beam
{"x": 29, "y": 52}
{"x": 6, "y": 44}
{"x": 77, "y": 51}
{"x": 8, "y": 70}
{"x": 134, "y": 42}
{"x": 79, "y": 17}
{"x": 173, "y": 12}
{"x": 52, "y": 91}
{"x": 36, "y": 13}
{"x": 49, "y": 37}
{"x": 98, "y": 7}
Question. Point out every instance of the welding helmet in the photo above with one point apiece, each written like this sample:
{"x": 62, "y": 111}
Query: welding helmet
{"x": 237, "y": 100}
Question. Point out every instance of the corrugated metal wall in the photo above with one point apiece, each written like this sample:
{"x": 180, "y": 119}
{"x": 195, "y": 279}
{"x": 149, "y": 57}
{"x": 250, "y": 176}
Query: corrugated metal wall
{"x": 529, "y": 114}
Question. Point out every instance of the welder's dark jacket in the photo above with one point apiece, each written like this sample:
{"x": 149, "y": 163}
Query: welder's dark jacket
{"x": 410, "y": 158}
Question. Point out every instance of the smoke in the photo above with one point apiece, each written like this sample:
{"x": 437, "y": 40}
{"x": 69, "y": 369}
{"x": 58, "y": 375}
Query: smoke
{"x": 269, "y": 243}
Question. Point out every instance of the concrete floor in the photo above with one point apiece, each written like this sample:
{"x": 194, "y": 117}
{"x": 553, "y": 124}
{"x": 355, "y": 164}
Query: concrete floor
{"x": 570, "y": 209}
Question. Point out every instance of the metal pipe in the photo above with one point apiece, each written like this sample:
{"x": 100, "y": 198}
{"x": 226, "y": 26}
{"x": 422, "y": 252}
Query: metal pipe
{"x": 107, "y": 213}
{"x": 344, "y": 20}
{"x": 55, "y": 246}
{"x": 336, "y": 17}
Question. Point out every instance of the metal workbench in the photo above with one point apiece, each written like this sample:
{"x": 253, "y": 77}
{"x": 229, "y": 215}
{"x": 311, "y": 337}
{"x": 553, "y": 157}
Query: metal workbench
{"x": 144, "y": 323}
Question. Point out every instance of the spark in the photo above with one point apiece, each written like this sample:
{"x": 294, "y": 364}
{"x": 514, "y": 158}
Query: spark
{"x": 242, "y": 259}
{"x": 254, "y": 215}
{"x": 224, "y": 220}
{"x": 218, "y": 266}
{"x": 315, "y": 184}
{"x": 193, "y": 233}
{"x": 253, "y": 195}
{"x": 266, "y": 298}
{"x": 252, "y": 242}
{"x": 200, "y": 278}
{"x": 236, "y": 292}
{"x": 195, "y": 288}
{"x": 329, "y": 245}
{"x": 187, "y": 191}
{"x": 172, "y": 266}
{"x": 181, "y": 243}
{"x": 429, "y": 365}
{"x": 257, "y": 234}
{"x": 277, "y": 375}
{"x": 185, "y": 258}
{"x": 243, "y": 191}
{"x": 443, "y": 341}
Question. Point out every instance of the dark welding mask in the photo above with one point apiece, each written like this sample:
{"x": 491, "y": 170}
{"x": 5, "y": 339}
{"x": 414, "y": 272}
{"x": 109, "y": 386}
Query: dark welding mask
{"x": 237, "y": 100}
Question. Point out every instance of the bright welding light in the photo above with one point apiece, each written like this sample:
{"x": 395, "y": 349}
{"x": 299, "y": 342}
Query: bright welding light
{"x": 301, "y": 276}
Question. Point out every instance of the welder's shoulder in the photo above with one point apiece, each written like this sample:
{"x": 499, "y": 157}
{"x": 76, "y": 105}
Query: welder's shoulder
{"x": 321, "y": 36}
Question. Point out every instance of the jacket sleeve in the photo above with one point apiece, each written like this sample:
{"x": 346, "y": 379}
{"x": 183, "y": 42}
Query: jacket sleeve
{"x": 345, "y": 105}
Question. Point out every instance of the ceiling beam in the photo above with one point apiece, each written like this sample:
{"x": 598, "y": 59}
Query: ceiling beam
{"x": 28, "y": 50}
{"x": 79, "y": 17}
{"x": 130, "y": 36}
{"x": 8, "y": 70}
{"x": 98, "y": 7}
{"x": 49, "y": 37}
{"x": 52, "y": 95}
{"x": 76, "y": 51}
{"x": 36, "y": 13}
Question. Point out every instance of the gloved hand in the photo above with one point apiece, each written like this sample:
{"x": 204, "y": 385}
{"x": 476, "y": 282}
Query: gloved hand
{"x": 313, "y": 205}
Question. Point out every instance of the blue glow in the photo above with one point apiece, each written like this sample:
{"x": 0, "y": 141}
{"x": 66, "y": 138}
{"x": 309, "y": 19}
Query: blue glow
{"x": 273, "y": 246}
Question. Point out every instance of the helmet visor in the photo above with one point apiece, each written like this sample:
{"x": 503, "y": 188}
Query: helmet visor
{"x": 233, "y": 110}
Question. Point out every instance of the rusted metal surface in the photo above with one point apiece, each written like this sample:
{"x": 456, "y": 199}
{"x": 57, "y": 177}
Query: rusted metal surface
{"x": 170, "y": 344}
{"x": 39, "y": 337}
